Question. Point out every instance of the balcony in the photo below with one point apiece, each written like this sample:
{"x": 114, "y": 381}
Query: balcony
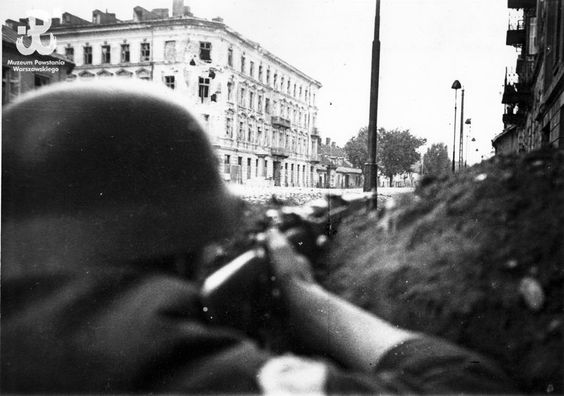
{"x": 280, "y": 122}
{"x": 514, "y": 119}
{"x": 280, "y": 152}
{"x": 517, "y": 94}
{"x": 314, "y": 159}
{"x": 516, "y": 34}
{"x": 526, "y": 69}
{"x": 528, "y": 4}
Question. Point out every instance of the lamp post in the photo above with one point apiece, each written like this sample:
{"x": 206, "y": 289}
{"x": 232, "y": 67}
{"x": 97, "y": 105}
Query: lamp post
{"x": 469, "y": 123}
{"x": 456, "y": 86}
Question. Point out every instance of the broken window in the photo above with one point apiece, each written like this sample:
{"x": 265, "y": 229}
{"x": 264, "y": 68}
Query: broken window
{"x": 87, "y": 55}
{"x": 170, "y": 82}
{"x": 145, "y": 52}
{"x": 203, "y": 88}
{"x": 106, "y": 54}
{"x": 170, "y": 51}
{"x": 69, "y": 53}
{"x": 124, "y": 53}
{"x": 230, "y": 56}
{"x": 205, "y": 51}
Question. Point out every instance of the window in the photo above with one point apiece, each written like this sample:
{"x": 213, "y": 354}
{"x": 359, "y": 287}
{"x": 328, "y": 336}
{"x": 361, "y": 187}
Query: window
{"x": 226, "y": 163}
{"x": 240, "y": 133}
{"x": 252, "y": 100}
{"x": 300, "y": 91}
{"x": 145, "y": 52}
{"x": 106, "y": 54}
{"x": 230, "y": 91}
{"x": 295, "y": 90}
{"x": 41, "y": 80}
{"x": 170, "y": 82}
{"x": 251, "y": 68}
{"x": 205, "y": 51}
{"x": 229, "y": 127}
{"x": 265, "y": 168}
{"x": 259, "y": 104}
{"x": 88, "y": 55}
{"x": 275, "y": 80}
{"x": 203, "y": 88}
{"x": 242, "y": 63}
{"x": 281, "y": 83}
{"x": 69, "y": 53}
{"x": 256, "y": 167}
{"x": 124, "y": 53}
{"x": 230, "y": 57}
{"x": 242, "y": 98}
{"x": 288, "y": 87}
{"x": 260, "y": 73}
{"x": 249, "y": 133}
{"x": 170, "y": 51}
{"x": 268, "y": 76}
{"x": 248, "y": 168}
{"x": 267, "y": 106}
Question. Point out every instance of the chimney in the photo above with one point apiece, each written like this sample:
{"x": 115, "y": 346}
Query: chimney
{"x": 177, "y": 8}
{"x": 218, "y": 19}
{"x": 327, "y": 141}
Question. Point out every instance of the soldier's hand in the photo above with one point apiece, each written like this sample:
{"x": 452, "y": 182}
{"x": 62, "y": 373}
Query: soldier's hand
{"x": 287, "y": 264}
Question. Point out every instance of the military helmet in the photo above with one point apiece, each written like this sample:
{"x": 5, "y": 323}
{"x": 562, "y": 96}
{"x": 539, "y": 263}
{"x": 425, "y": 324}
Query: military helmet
{"x": 126, "y": 160}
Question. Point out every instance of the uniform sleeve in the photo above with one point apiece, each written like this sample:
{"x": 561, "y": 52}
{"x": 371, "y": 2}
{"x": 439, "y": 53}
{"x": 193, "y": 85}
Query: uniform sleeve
{"x": 428, "y": 365}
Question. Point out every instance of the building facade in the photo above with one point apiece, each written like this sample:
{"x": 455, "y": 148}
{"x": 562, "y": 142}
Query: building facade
{"x": 534, "y": 95}
{"x": 260, "y": 112}
{"x": 334, "y": 170}
{"x": 23, "y": 73}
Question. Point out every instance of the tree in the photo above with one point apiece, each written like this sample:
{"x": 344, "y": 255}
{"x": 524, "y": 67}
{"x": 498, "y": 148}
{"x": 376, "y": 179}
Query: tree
{"x": 436, "y": 160}
{"x": 397, "y": 151}
{"x": 357, "y": 149}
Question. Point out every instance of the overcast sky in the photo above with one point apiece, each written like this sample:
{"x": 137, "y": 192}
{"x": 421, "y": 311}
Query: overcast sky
{"x": 426, "y": 45}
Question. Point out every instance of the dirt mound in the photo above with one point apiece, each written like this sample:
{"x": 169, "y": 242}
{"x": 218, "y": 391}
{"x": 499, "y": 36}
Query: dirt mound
{"x": 477, "y": 258}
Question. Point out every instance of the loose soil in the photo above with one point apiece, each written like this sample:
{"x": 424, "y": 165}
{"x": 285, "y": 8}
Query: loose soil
{"x": 476, "y": 258}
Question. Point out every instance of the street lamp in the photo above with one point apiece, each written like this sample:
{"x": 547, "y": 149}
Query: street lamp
{"x": 456, "y": 86}
{"x": 468, "y": 133}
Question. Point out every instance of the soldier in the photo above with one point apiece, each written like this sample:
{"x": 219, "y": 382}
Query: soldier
{"x": 109, "y": 194}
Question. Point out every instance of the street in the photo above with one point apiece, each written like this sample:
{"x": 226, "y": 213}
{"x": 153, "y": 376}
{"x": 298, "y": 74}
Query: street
{"x": 299, "y": 195}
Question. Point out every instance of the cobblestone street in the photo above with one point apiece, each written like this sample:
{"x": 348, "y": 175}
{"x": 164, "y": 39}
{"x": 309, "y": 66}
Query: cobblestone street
{"x": 299, "y": 195}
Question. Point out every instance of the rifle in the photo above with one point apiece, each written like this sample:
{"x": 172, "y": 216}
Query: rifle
{"x": 244, "y": 294}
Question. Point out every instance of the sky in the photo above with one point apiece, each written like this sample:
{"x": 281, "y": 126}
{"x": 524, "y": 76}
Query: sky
{"x": 425, "y": 46}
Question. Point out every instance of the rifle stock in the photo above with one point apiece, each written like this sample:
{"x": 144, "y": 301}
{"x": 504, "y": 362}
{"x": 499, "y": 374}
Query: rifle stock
{"x": 243, "y": 294}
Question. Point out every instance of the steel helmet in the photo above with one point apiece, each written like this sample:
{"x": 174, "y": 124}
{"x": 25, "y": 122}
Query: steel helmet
{"x": 124, "y": 164}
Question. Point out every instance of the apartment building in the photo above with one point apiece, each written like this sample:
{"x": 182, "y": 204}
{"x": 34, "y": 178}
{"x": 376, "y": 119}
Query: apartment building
{"x": 534, "y": 94}
{"x": 259, "y": 111}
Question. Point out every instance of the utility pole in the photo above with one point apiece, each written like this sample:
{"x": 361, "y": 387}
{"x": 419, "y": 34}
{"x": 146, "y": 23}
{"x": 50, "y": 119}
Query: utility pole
{"x": 461, "y": 146}
{"x": 371, "y": 167}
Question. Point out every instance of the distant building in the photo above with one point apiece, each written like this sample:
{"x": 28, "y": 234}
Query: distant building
{"x": 260, "y": 112}
{"x": 22, "y": 73}
{"x": 334, "y": 170}
{"x": 534, "y": 94}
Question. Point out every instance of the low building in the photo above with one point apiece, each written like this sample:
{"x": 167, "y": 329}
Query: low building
{"x": 22, "y": 73}
{"x": 534, "y": 95}
{"x": 335, "y": 171}
{"x": 260, "y": 112}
